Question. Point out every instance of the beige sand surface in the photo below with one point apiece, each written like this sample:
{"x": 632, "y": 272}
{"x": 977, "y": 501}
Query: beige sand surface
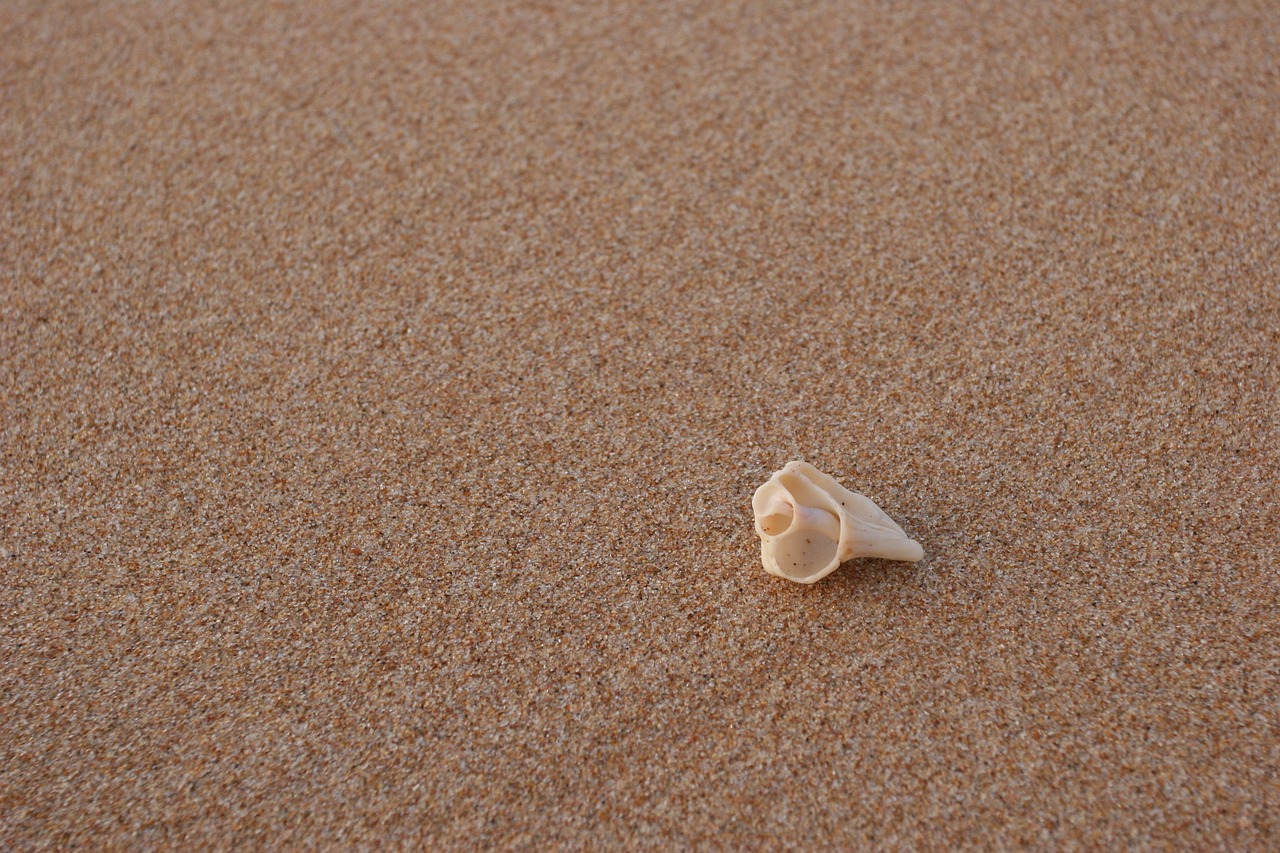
{"x": 382, "y": 392}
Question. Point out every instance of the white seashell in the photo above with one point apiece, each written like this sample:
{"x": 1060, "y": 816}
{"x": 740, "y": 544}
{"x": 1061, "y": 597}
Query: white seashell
{"x": 809, "y": 524}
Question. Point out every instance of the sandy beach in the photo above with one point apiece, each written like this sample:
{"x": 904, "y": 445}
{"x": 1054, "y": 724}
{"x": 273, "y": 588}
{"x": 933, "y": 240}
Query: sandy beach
{"x": 383, "y": 388}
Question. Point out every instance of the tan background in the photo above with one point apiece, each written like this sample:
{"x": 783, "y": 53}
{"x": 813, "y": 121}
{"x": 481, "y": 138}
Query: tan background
{"x": 384, "y": 391}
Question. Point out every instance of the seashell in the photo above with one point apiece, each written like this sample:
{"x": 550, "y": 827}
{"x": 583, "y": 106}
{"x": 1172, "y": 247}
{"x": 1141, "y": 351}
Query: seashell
{"x": 809, "y": 524}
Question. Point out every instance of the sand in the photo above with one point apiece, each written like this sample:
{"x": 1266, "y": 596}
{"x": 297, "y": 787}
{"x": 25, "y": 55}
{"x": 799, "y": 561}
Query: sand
{"x": 383, "y": 389}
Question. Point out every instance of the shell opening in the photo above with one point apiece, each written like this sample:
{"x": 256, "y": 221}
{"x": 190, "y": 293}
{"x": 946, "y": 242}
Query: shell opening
{"x": 803, "y": 554}
{"x": 778, "y": 520}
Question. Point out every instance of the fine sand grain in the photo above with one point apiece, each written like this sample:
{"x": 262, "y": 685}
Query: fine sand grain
{"x": 383, "y": 388}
